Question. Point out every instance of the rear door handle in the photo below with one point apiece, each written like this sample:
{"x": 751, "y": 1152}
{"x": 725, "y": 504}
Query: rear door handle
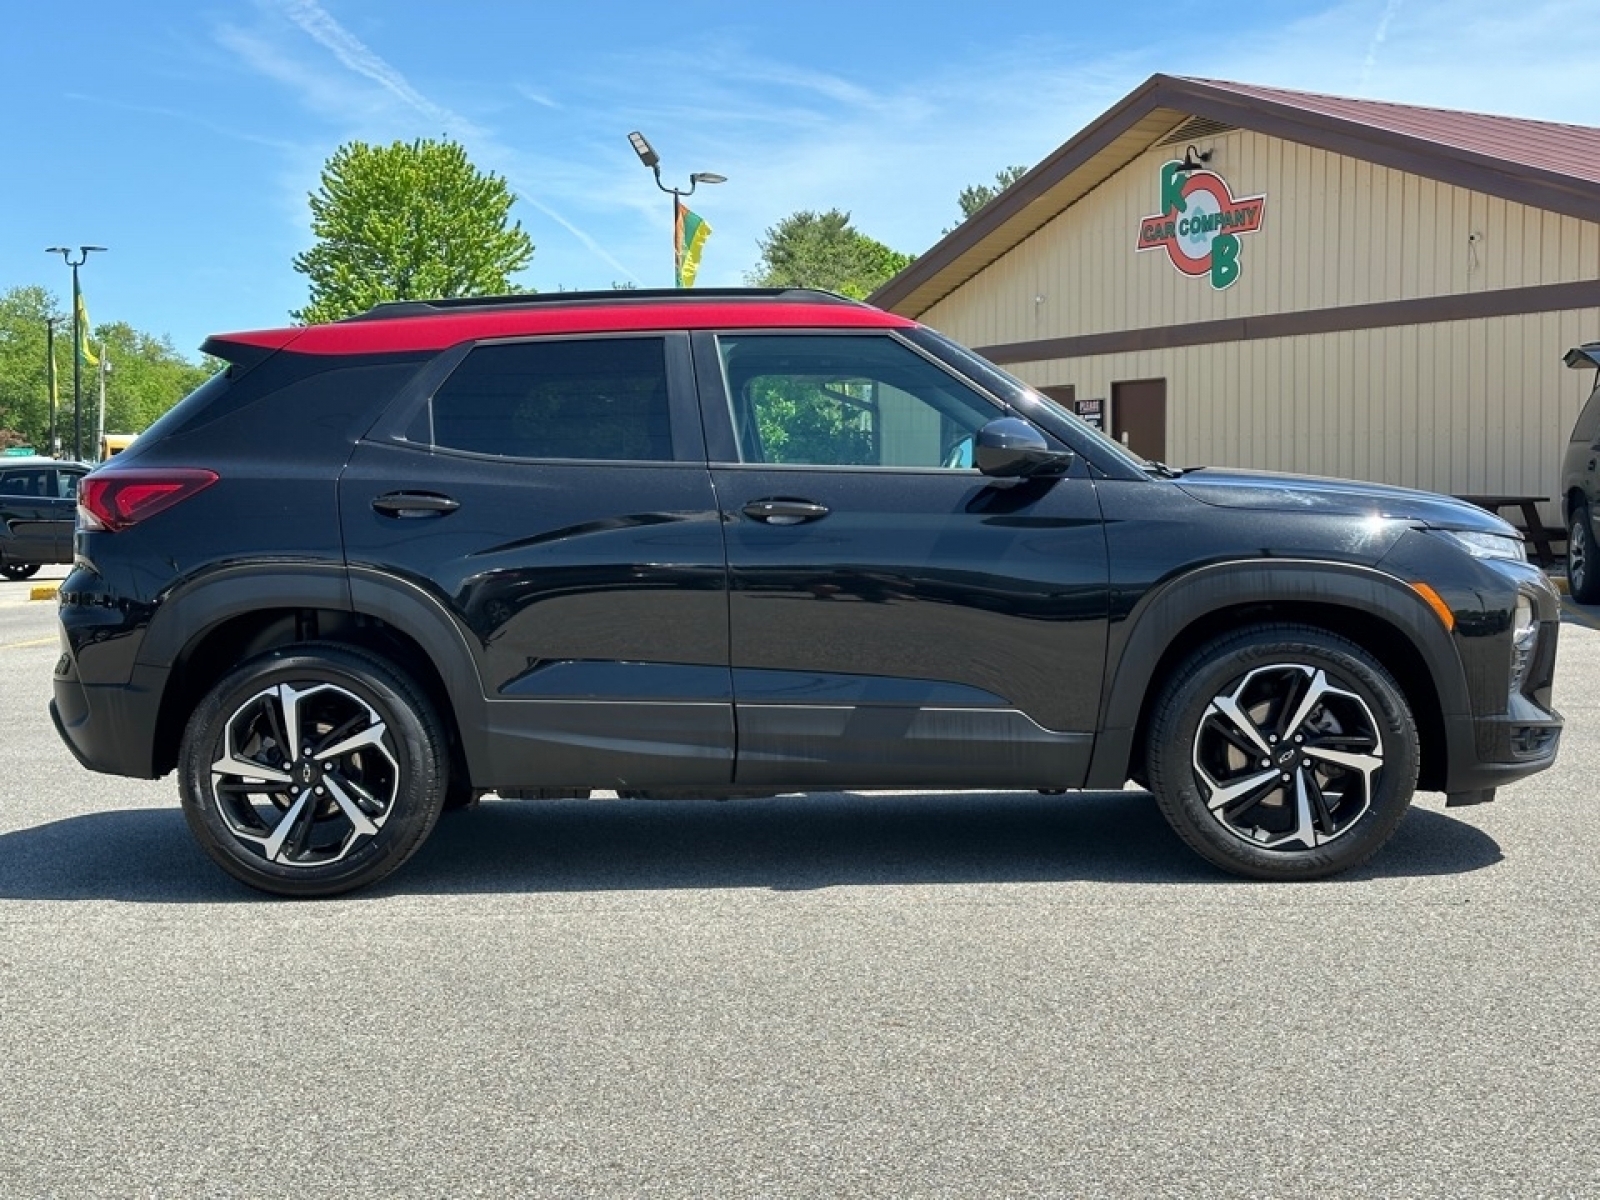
{"x": 410, "y": 505}
{"x": 785, "y": 512}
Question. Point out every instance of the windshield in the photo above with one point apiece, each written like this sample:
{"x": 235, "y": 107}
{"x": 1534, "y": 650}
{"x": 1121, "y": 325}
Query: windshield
{"x": 1012, "y": 390}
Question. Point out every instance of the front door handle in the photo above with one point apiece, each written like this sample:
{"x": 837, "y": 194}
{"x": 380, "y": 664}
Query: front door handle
{"x": 785, "y": 512}
{"x": 411, "y": 505}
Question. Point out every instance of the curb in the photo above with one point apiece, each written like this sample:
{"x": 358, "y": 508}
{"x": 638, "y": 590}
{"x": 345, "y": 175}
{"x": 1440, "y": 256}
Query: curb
{"x": 44, "y": 592}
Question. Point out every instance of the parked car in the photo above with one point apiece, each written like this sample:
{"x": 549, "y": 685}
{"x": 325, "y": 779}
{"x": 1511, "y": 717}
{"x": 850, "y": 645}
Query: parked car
{"x": 718, "y": 543}
{"x": 1580, "y": 484}
{"x": 38, "y": 506}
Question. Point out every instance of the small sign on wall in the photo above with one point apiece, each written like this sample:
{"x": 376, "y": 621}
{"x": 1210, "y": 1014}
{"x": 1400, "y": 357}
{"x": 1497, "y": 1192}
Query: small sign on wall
{"x": 1092, "y": 411}
{"x": 1200, "y": 223}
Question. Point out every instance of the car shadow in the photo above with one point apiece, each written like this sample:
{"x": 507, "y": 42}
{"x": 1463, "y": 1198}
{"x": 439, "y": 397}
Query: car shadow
{"x": 790, "y": 843}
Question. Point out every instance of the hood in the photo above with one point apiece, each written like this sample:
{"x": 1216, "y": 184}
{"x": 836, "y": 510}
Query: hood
{"x": 1270, "y": 491}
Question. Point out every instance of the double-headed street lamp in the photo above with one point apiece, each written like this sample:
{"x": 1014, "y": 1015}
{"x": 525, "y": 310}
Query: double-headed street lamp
{"x": 651, "y": 159}
{"x": 78, "y": 333}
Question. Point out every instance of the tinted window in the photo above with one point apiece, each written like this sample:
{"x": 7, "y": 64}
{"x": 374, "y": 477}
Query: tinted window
{"x": 847, "y": 401}
{"x": 23, "y": 483}
{"x": 591, "y": 398}
{"x": 67, "y": 484}
{"x": 1588, "y": 420}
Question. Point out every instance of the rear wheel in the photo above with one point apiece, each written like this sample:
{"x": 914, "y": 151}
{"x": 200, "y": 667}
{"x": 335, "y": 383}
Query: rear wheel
{"x": 313, "y": 770}
{"x": 1283, "y": 752}
{"x": 19, "y": 570}
{"x": 1583, "y": 569}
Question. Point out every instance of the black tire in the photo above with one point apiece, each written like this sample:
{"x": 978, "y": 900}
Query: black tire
{"x": 1583, "y": 565}
{"x": 1285, "y": 810}
{"x": 317, "y": 824}
{"x": 19, "y": 570}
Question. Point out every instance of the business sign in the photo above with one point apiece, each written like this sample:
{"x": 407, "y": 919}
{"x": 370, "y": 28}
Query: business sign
{"x": 1200, "y": 223}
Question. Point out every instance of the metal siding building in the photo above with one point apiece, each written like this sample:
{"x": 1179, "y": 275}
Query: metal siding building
{"x": 1399, "y": 314}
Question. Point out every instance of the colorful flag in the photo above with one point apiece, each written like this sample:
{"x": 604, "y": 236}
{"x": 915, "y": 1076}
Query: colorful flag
{"x": 690, "y": 236}
{"x": 85, "y": 355}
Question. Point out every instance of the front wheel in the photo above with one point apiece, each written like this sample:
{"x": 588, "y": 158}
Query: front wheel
{"x": 12, "y": 570}
{"x": 313, "y": 770}
{"x": 1583, "y": 571}
{"x": 1283, "y": 752}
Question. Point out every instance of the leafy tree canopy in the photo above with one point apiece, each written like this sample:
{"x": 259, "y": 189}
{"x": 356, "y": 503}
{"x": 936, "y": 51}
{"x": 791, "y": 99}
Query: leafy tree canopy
{"x": 407, "y": 222}
{"x": 975, "y": 197}
{"x": 823, "y": 250}
{"x": 145, "y": 376}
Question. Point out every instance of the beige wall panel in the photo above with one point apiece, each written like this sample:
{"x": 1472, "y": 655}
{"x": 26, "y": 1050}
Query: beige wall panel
{"x": 1336, "y": 231}
{"x": 1465, "y": 407}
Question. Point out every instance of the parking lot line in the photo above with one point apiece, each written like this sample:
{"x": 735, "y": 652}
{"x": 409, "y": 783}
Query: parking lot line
{"x": 35, "y": 642}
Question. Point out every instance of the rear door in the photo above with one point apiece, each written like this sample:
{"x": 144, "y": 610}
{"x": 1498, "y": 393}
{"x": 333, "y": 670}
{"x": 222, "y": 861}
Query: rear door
{"x": 551, "y": 495}
{"x": 896, "y": 618}
{"x": 36, "y": 518}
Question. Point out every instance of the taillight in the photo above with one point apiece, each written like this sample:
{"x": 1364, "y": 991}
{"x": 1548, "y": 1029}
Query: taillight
{"x": 113, "y": 500}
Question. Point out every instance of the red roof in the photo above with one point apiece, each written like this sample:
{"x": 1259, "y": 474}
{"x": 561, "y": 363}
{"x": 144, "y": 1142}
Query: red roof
{"x": 435, "y": 331}
{"x": 1543, "y": 145}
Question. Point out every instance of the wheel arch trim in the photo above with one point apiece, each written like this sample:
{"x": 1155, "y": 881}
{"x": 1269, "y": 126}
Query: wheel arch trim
{"x": 1164, "y": 614}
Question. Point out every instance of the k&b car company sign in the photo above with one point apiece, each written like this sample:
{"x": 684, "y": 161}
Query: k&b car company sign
{"x": 1200, "y": 223}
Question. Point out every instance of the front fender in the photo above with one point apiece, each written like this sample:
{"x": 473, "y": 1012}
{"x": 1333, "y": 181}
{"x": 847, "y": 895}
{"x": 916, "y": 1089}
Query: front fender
{"x": 1161, "y": 617}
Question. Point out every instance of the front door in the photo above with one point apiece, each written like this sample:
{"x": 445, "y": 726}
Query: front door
{"x": 1139, "y": 417}
{"x": 896, "y": 618}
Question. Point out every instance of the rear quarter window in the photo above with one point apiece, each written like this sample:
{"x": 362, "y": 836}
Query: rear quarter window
{"x": 1588, "y": 423}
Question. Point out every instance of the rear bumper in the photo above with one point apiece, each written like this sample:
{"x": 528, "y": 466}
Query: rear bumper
{"x": 109, "y": 728}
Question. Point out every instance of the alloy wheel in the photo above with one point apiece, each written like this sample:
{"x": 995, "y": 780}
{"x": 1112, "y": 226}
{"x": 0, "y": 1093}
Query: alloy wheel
{"x": 1578, "y": 553}
{"x": 1286, "y": 758}
{"x": 305, "y": 774}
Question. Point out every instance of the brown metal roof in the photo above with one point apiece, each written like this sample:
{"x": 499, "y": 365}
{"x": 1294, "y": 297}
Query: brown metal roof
{"x": 1539, "y": 163}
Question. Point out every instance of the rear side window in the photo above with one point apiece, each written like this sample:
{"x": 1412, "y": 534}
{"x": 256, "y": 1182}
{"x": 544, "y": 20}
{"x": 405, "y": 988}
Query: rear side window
{"x": 1588, "y": 420}
{"x": 25, "y": 483}
{"x": 592, "y": 398}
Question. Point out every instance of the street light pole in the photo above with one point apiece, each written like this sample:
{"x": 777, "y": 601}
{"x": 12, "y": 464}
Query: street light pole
{"x": 651, "y": 159}
{"x": 77, "y": 340}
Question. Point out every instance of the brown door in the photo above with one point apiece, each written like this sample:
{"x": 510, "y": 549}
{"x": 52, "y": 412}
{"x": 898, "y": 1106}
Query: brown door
{"x": 1139, "y": 416}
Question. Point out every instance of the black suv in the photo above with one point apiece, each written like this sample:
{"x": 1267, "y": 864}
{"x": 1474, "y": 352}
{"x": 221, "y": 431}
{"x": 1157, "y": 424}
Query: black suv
{"x": 38, "y": 500}
{"x": 1580, "y": 484}
{"x": 741, "y": 543}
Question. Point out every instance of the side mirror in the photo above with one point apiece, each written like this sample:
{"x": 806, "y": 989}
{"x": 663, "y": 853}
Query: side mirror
{"x": 1010, "y": 448}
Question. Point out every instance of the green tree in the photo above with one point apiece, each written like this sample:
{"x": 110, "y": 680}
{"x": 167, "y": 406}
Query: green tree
{"x": 407, "y": 222}
{"x": 146, "y": 375}
{"x": 823, "y": 250}
{"x": 975, "y": 197}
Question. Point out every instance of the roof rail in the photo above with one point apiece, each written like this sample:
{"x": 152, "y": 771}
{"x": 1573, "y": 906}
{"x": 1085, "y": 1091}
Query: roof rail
{"x": 432, "y": 308}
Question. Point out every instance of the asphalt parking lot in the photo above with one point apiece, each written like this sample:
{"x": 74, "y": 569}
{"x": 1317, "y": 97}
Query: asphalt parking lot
{"x": 950, "y": 995}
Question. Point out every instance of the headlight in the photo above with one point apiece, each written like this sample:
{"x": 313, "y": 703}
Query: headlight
{"x": 1487, "y": 545}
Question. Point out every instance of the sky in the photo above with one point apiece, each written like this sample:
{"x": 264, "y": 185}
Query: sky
{"x": 186, "y": 137}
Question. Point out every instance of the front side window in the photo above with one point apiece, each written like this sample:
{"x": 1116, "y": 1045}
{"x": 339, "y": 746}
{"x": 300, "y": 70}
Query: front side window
{"x": 847, "y": 401}
{"x": 599, "y": 398}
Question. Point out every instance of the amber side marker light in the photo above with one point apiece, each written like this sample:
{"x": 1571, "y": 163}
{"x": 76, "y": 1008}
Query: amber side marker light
{"x": 1436, "y": 602}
